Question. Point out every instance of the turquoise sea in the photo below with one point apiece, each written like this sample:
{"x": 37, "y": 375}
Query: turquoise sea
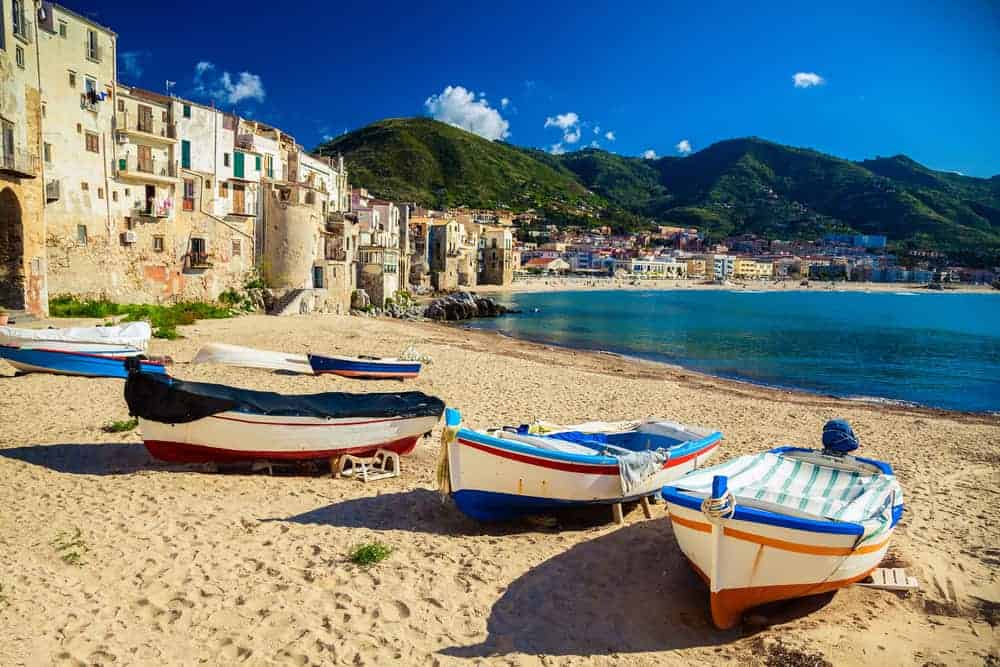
{"x": 932, "y": 349}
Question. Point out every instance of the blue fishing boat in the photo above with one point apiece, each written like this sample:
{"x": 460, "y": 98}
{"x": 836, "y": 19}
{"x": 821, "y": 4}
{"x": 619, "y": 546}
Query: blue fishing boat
{"x": 88, "y": 351}
{"x": 64, "y": 362}
{"x": 365, "y": 367}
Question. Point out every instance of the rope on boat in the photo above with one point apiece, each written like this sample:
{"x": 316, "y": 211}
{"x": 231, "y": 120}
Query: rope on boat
{"x": 718, "y": 509}
{"x": 448, "y": 435}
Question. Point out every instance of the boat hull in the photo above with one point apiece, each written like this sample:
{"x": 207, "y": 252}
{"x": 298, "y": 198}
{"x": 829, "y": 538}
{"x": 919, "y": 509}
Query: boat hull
{"x": 492, "y": 483}
{"x": 761, "y": 563}
{"x": 364, "y": 368}
{"x": 86, "y": 362}
{"x": 236, "y": 436}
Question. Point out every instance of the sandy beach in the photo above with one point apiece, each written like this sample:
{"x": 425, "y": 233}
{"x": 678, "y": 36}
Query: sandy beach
{"x": 182, "y": 565}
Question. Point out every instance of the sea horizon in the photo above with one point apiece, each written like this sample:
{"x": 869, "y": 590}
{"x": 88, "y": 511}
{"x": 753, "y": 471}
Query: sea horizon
{"x": 908, "y": 357}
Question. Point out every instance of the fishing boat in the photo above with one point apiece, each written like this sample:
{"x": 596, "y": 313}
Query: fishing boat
{"x": 510, "y": 472}
{"x": 365, "y": 367}
{"x": 248, "y": 357}
{"x": 87, "y": 351}
{"x": 786, "y": 523}
{"x": 199, "y": 422}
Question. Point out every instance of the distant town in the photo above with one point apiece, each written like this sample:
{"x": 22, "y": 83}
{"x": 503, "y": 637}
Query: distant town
{"x": 114, "y": 192}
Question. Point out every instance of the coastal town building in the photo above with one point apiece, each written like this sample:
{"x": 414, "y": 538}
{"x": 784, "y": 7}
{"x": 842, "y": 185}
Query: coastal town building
{"x": 23, "y": 265}
{"x": 497, "y": 262}
{"x": 752, "y": 269}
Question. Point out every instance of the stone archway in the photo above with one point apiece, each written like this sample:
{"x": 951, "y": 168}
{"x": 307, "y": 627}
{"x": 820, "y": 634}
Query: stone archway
{"x": 11, "y": 251}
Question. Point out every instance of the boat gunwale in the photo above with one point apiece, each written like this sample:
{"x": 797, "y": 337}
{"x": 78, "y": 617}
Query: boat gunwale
{"x": 681, "y": 449}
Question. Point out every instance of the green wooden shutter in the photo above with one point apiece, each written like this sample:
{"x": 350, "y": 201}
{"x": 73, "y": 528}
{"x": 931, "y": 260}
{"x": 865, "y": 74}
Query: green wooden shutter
{"x": 238, "y": 165}
{"x": 185, "y": 153}
{"x": 257, "y": 162}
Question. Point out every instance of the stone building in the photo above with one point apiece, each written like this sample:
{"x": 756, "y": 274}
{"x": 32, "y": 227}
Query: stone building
{"x": 23, "y": 282}
{"x": 496, "y": 264}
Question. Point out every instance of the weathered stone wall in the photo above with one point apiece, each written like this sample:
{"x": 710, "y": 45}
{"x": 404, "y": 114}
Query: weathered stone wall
{"x": 291, "y": 241}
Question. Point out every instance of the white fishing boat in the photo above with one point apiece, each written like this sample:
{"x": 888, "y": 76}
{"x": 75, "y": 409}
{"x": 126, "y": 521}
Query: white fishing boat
{"x": 200, "y": 422}
{"x": 506, "y": 473}
{"x": 786, "y": 523}
{"x": 248, "y": 357}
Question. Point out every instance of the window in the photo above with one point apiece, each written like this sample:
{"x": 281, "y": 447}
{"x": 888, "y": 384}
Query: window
{"x": 72, "y": 79}
{"x": 79, "y": 128}
{"x": 127, "y": 192}
{"x": 85, "y": 186}
{"x": 237, "y": 247}
{"x": 93, "y": 52}
{"x": 100, "y": 193}
{"x": 225, "y": 159}
{"x": 93, "y": 144}
{"x": 157, "y": 244}
{"x": 19, "y": 56}
{"x": 208, "y": 183}
{"x": 19, "y": 23}
{"x": 2, "y": 31}
{"x": 121, "y": 105}
{"x": 199, "y": 253}
{"x": 47, "y": 151}
{"x": 187, "y": 110}
{"x": 114, "y": 195}
{"x": 81, "y": 234}
{"x": 163, "y": 116}
{"x": 43, "y": 109}
{"x": 62, "y": 29}
{"x": 188, "y": 194}
{"x": 223, "y": 189}
{"x": 185, "y": 154}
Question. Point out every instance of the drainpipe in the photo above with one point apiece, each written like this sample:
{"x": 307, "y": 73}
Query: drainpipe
{"x": 114, "y": 85}
{"x": 43, "y": 296}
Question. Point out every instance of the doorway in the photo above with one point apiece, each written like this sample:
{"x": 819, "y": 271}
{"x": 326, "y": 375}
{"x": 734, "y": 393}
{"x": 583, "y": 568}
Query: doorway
{"x": 11, "y": 251}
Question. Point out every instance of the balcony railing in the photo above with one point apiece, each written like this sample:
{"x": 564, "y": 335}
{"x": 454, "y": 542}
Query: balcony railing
{"x": 337, "y": 255}
{"x": 21, "y": 163}
{"x": 159, "y": 167}
{"x": 132, "y": 123}
{"x": 244, "y": 142}
{"x": 151, "y": 209}
{"x": 199, "y": 260}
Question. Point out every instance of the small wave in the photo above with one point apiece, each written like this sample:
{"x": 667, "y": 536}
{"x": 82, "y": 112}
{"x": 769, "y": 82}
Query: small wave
{"x": 879, "y": 400}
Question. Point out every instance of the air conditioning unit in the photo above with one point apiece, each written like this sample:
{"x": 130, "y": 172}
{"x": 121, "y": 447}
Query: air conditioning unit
{"x": 122, "y": 137}
{"x": 129, "y": 237}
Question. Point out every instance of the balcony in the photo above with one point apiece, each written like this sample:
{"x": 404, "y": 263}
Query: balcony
{"x": 153, "y": 170}
{"x": 198, "y": 260}
{"x": 151, "y": 209}
{"x": 336, "y": 255}
{"x": 53, "y": 190}
{"x": 145, "y": 129}
{"x": 244, "y": 142}
{"x": 20, "y": 163}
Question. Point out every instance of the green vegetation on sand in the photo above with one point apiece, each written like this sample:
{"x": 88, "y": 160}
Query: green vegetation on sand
{"x": 370, "y": 553}
{"x": 163, "y": 319}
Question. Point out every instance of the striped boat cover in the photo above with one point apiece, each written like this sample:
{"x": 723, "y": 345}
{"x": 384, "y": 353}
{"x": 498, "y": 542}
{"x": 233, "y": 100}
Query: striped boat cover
{"x": 776, "y": 482}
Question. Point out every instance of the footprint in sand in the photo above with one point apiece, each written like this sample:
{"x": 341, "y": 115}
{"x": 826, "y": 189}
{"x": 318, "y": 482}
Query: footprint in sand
{"x": 393, "y": 611}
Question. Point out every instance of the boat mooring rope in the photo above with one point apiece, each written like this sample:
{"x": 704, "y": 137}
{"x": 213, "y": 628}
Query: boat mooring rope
{"x": 448, "y": 435}
{"x": 718, "y": 509}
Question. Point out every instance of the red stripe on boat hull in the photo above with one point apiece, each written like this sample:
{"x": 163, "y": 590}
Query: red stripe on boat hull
{"x": 183, "y": 452}
{"x": 595, "y": 469}
{"x": 369, "y": 374}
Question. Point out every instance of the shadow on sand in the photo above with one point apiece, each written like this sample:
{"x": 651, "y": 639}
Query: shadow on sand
{"x": 88, "y": 459}
{"x": 628, "y": 591}
{"x": 423, "y": 511}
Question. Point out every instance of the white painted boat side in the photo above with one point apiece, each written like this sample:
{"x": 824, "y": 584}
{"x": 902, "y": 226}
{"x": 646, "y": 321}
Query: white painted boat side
{"x": 236, "y": 431}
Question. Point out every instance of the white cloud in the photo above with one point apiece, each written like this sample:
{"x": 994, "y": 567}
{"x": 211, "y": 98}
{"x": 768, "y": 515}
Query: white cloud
{"x": 223, "y": 88}
{"x": 594, "y": 144}
{"x": 649, "y": 154}
{"x": 807, "y": 79}
{"x": 459, "y": 107}
{"x": 683, "y": 146}
{"x": 572, "y": 136}
{"x": 133, "y": 62}
{"x": 597, "y": 129}
{"x": 504, "y": 102}
{"x": 557, "y": 149}
{"x": 563, "y": 121}
{"x": 609, "y": 135}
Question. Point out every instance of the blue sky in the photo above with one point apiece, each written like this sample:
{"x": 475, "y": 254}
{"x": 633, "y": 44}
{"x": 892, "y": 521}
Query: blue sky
{"x": 876, "y": 78}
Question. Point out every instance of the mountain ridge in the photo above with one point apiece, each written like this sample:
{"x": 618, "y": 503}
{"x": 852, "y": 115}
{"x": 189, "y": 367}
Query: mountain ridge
{"x": 740, "y": 185}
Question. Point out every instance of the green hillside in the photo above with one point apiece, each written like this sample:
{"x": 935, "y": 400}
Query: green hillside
{"x": 731, "y": 187}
